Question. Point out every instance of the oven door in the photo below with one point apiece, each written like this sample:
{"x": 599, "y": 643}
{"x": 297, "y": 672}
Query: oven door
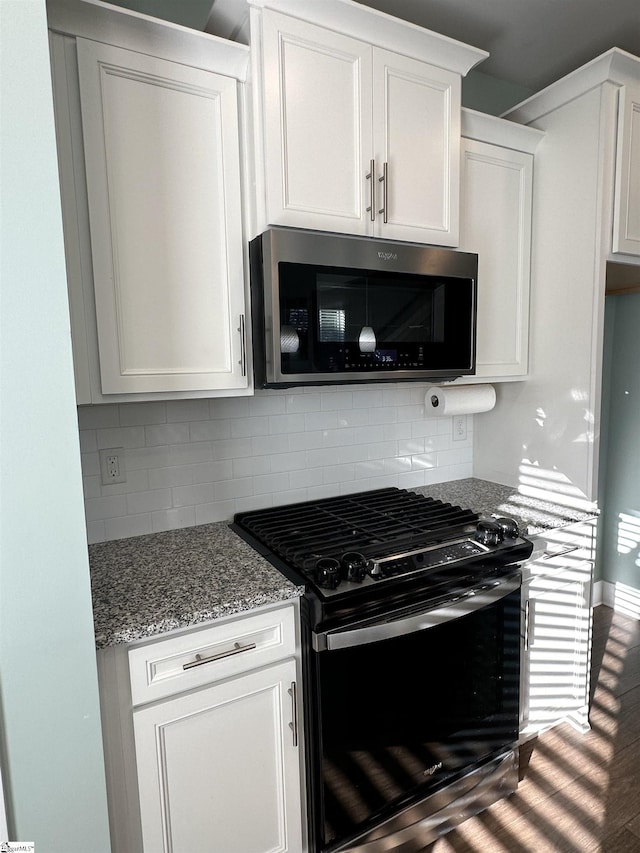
{"x": 401, "y": 708}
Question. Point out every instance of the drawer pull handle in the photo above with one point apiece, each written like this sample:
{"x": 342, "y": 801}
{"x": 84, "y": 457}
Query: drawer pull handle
{"x": 236, "y": 650}
{"x": 548, "y": 554}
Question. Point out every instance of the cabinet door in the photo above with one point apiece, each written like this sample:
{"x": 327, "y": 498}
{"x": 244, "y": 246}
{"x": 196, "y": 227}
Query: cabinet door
{"x": 162, "y": 158}
{"x": 218, "y": 770}
{"x": 496, "y": 224}
{"x": 317, "y": 102}
{"x": 416, "y": 121}
{"x": 626, "y": 218}
{"x": 556, "y": 648}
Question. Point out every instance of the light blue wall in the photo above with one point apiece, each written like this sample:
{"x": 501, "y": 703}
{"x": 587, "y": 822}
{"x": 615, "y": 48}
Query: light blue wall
{"x": 51, "y": 754}
{"x": 619, "y": 553}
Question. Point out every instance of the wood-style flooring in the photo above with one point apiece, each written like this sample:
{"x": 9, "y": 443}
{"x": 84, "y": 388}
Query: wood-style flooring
{"x": 579, "y": 793}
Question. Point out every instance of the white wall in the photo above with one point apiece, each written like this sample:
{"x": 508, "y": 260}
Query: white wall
{"x": 199, "y": 461}
{"x": 52, "y": 766}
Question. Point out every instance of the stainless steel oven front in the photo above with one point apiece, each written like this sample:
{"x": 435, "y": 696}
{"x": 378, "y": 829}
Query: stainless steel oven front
{"x": 412, "y": 717}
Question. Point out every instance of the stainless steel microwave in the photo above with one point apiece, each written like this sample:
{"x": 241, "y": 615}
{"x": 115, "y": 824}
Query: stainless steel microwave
{"x": 332, "y": 309}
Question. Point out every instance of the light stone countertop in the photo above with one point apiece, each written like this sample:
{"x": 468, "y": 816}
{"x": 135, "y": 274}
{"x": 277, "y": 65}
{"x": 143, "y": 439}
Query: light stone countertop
{"x": 533, "y": 515}
{"x": 148, "y": 585}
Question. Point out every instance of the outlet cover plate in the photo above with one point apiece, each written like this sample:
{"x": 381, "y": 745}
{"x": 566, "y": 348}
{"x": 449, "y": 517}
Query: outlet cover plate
{"x": 112, "y": 466}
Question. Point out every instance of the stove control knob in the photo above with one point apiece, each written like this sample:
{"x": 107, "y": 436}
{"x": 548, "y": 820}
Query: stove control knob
{"x": 327, "y": 573}
{"x": 353, "y": 566}
{"x": 488, "y": 532}
{"x": 509, "y": 527}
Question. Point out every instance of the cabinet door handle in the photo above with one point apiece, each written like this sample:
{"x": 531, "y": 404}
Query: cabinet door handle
{"x": 371, "y": 176}
{"x": 243, "y": 346}
{"x": 293, "y": 725}
{"x": 236, "y": 650}
{"x": 384, "y": 180}
{"x": 527, "y": 609}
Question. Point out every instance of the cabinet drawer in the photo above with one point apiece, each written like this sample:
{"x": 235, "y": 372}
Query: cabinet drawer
{"x": 206, "y": 655}
{"x": 564, "y": 545}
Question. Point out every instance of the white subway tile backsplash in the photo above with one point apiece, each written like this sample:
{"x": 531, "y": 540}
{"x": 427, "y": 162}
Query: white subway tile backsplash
{"x": 229, "y": 407}
{"x": 305, "y": 478}
{"x": 228, "y": 489}
{"x": 147, "y": 457}
{"x": 232, "y": 448}
{"x": 138, "y": 502}
{"x": 209, "y": 430}
{"x": 199, "y": 461}
{"x": 137, "y": 481}
{"x": 172, "y": 519}
{"x": 113, "y": 506}
{"x": 95, "y": 532}
{"x": 338, "y": 473}
{"x": 166, "y": 478}
{"x": 132, "y": 525}
{"x": 187, "y": 410}
{"x": 266, "y": 405}
{"x": 213, "y": 472}
{"x": 88, "y": 441}
{"x": 220, "y": 511}
{"x": 249, "y": 466}
{"x": 136, "y": 414}
{"x": 177, "y": 433}
{"x": 121, "y": 437}
{"x": 296, "y": 403}
{"x": 279, "y": 424}
{"x": 192, "y": 495}
{"x": 263, "y": 444}
{"x": 247, "y": 427}
{"x": 321, "y": 420}
{"x": 271, "y": 483}
{"x": 96, "y": 417}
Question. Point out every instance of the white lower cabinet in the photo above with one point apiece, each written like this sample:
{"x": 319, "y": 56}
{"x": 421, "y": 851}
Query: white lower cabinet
{"x": 202, "y": 739}
{"x": 218, "y": 770}
{"x": 557, "y": 631}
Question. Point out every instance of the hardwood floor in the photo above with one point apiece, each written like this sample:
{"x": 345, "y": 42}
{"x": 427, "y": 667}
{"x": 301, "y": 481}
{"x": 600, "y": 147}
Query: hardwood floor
{"x": 579, "y": 793}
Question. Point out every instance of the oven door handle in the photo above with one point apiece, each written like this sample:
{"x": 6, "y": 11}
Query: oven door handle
{"x": 466, "y": 602}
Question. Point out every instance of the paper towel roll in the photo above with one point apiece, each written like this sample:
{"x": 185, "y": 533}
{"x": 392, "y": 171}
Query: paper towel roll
{"x": 459, "y": 399}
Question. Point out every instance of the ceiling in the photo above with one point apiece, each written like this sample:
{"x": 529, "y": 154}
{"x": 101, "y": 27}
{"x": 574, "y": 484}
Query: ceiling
{"x": 531, "y": 42}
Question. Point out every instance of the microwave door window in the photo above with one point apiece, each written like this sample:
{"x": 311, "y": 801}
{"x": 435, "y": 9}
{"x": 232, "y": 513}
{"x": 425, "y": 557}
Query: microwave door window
{"x": 340, "y": 321}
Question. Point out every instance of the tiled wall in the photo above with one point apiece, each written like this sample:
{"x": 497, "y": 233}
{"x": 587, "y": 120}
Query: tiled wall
{"x": 196, "y": 461}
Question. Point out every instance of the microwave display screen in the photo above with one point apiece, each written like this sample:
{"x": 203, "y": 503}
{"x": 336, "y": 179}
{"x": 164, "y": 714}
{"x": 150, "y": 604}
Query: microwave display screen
{"x": 337, "y": 320}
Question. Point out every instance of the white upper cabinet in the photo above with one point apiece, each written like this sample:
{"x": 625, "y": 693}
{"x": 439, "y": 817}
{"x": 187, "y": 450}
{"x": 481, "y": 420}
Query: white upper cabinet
{"x": 626, "y": 215}
{"x": 495, "y": 223}
{"x": 164, "y": 210}
{"x": 150, "y": 165}
{"x": 353, "y": 136}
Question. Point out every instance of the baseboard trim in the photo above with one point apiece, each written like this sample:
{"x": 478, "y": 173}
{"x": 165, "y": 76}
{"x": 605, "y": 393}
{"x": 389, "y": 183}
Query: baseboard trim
{"x": 621, "y": 597}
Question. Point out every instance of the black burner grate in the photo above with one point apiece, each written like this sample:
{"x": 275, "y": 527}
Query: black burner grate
{"x": 376, "y": 524}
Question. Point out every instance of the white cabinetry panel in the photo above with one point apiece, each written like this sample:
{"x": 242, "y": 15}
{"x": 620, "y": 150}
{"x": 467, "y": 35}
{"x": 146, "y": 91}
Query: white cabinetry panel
{"x": 417, "y": 135}
{"x": 626, "y": 217}
{"x": 496, "y": 224}
{"x": 224, "y": 760}
{"x": 161, "y": 151}
{"x": 339, "y": 115}
{"x": 315, "y": 139}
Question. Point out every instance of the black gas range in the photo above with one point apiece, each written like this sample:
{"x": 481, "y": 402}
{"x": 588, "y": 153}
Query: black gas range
{"x": 411, "y": 644}
{"x": 358, "y": 549}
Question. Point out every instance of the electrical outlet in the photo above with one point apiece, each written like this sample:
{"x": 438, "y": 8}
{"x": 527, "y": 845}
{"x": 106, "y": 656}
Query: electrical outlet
{"x": 459, "y": 427}
{"x": 112, "y": 466}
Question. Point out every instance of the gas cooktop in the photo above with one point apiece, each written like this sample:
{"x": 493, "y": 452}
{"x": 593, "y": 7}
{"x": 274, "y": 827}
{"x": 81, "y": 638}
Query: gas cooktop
{"x": 345, "y": 544}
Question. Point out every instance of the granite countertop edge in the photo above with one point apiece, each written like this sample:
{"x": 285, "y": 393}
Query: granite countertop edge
{"x": 147, "y": 586}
